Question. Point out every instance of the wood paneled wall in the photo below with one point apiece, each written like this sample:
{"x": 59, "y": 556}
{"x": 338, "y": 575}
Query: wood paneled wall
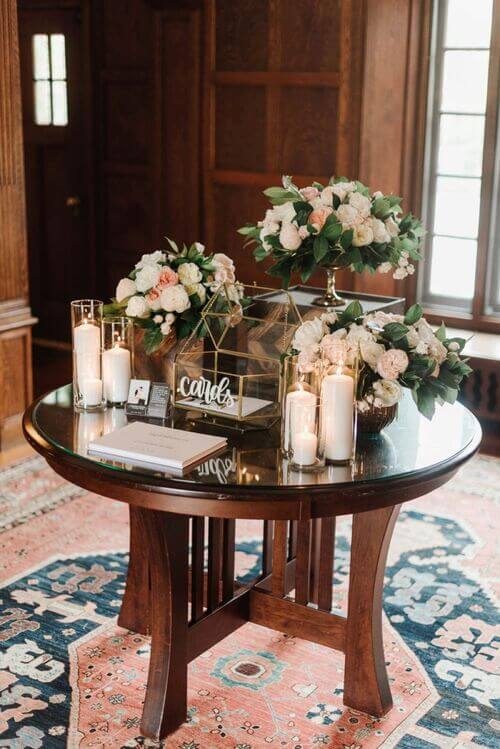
{"x": 309, "y": 89}
{"x": 15, "y": 314}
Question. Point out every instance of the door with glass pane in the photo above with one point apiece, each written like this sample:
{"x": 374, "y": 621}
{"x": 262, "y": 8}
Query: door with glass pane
{"x": 57, "y": 204}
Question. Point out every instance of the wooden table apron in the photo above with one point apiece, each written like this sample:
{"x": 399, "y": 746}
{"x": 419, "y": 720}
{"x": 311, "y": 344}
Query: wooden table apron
{"x": 298, "y": 552}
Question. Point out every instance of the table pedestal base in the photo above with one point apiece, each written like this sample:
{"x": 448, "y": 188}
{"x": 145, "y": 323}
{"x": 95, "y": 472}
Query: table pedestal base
{"x": 297, "y": 555}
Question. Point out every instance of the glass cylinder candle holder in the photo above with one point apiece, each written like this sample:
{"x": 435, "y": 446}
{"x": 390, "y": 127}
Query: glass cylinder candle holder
{"x": 338, "y": 402}
{"x": 117, "y": 359}
{"x": 301, "y": 383}
{"x": 86, "y": 318}
{"x": 305, "y": 446}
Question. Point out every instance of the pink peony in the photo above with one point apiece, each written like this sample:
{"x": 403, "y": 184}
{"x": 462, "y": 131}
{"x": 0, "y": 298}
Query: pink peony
{"x": 392, "y": 363}
{"x": 318, "y": 217}
{"x": 168, "y": 277}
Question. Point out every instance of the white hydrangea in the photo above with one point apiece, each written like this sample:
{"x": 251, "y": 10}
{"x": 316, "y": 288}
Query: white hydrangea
{"x": 384, "y": 267}
{"x": 165, "y": 328}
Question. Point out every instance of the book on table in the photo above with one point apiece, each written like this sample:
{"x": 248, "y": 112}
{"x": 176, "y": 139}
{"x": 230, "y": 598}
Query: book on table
{"x": 151, "y": 444}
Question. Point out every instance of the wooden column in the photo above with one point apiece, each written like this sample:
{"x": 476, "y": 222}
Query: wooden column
{"x": 15, "y": 314}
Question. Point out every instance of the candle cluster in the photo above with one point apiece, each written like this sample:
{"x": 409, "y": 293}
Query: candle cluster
{"x": 102, "y": 359}
{"x": 319, "y": 412}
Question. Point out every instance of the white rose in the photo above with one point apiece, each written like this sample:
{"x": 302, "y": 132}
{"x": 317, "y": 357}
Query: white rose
{"x": 424, "y": 330}
{"x": 269, "y": 228}
{"x": 197, "y": 288}
{"x": 170, "y": 318}
{"x": 380, "y": 233}
{"x": 371, "y": 352}
{"x": 380, "y": 319}
{"x": 392, "y": 227}
{"x": 284, "y": 213}
{"x": 303, "y": 232}
{"x": 361, "y": 203}
{"x": 165, "y": 328}
{"x": 147, "y": 277}
{"x": 437, "y": 350}
{"x": 363, "y": 235}
{"x": 342, "y": 189}
{"x": 126, "y": 287}
{"x": 175, "y": 299}
{"x": 189, "y": 274}
{"x": 137, "y": 307}
{"x": 158, "y": 319}
{"x": 152, "y": 259}
{"x": 290, "y": 237}
{"x": 412, "y": 337}
{"x": 358, "y": 333}
{"x": 308, "y": 335}
{"x": 200, "y": 247}
{"x": 389, "y": 392}
{"x": 327, "y": 196}
{"x": 348, "y": 216}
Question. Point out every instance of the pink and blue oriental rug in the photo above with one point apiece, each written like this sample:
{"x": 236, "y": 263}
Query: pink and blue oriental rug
{"x": 70, "y": 677}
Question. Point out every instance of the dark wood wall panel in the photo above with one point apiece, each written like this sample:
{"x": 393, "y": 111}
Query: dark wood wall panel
{"x": 125, "y": 27}
{"x": 240, "y": 128}
{"x": 307, "y": 144}
{"x": 242, "y": 33}
{"x": 127, "y": 115}
{"x": 307, "y": 36}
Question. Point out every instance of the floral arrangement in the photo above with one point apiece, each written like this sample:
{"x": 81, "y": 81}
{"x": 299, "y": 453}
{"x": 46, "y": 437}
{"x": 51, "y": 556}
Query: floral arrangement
{"x": 166, "y": 292}
{"x": 396, "y": 352}
{"x": 339, "y": 225}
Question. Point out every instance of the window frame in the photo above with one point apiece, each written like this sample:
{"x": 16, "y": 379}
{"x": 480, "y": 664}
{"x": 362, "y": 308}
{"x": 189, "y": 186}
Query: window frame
{"x": 451, "y": 310}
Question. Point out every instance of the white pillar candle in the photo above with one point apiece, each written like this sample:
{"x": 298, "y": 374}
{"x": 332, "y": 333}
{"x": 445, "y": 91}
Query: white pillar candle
{"x": 305, "y": 406}
{"x": 304, "y": 447}
{"x": 90, "y": 426}
{"x": 87, "y": 345}
{"x": 337, "y": 404}
{"x": 116, "y": 373}
{"x": 91, "y": 390}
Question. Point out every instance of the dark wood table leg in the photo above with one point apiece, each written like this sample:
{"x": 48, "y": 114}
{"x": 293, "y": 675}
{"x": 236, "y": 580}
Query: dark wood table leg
{"x": 134, "y": 613}
{"x": 366, "y": 686}
{"x": 165, "y": 705}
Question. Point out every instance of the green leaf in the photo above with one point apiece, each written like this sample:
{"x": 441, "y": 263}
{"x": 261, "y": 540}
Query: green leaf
{"x": 153, "y": 338}
{"x": 173, "y": 245}
{"x": 346, "y": 239}
{"x": 248, "y": 230}
{"x": 278, "y": 196}
{"x": 308, "y": 266}
{"x": 260, "y": 253}
{"x": 440, "y": 333}
{"x": 394, "y": 331}
{"x": 320, "y": 247}
{"x": 426, "y": 401}
{"x": 332, "y": 228}
{"x": 381, "y": 207}
{"x": 414, "y": 314}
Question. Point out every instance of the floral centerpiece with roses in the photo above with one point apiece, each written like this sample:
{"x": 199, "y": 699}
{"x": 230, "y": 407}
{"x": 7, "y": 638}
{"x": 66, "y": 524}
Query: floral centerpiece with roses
{"x": 166, "y": 291}
{"x": 396, "y": 352}
{"x": 340, "y": 225}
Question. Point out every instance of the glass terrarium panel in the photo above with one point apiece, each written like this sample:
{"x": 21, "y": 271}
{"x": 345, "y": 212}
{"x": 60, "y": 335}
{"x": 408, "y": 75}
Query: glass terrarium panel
{"x": 261, "y": 323}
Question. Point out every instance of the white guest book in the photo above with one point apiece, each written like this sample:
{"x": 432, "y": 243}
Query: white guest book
{"x": 157, "y": 445}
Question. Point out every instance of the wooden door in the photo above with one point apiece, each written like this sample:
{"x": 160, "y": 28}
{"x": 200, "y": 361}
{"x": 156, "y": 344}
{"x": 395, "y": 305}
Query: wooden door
{"x": 52, "y": 80}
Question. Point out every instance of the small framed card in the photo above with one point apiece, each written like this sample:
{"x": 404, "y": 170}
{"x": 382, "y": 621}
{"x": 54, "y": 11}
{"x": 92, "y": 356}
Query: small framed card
{"x": 146, "y": 399}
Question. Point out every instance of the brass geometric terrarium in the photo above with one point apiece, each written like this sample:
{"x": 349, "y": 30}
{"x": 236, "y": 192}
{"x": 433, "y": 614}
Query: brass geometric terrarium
{"x": 232, "y": 374}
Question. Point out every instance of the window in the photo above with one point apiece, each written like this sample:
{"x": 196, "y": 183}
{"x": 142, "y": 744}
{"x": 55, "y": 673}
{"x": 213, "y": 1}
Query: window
{"x": 49, "y": 79}
{"x": 461, "y": 274}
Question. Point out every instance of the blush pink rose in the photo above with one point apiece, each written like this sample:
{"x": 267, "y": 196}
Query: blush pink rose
{"x": 309, "y": 193}
{"x": 392, "y": 363}
{"x": 318, "y": 217}
{"x": 153, "y": 299}
{"x": 168, "y": 277}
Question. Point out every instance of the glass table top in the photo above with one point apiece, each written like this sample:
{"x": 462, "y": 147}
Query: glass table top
{"x": 410, "y": 445}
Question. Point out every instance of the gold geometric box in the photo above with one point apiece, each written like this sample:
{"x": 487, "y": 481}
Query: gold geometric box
{"x": 232, "y": 374}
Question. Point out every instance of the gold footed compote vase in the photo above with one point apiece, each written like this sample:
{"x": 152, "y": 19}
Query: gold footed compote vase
{"x": 330, "y": 297}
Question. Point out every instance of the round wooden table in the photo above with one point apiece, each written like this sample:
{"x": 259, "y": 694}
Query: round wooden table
{"x": 188, "y": 607}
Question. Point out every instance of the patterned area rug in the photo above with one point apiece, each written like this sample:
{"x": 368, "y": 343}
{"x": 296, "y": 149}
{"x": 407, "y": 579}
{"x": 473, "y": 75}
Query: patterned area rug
{"x": 69, "y": 677}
